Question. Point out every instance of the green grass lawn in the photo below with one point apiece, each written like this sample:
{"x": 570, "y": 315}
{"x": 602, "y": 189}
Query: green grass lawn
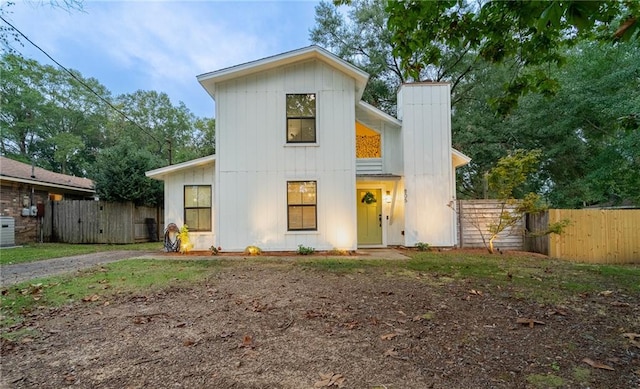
{"x": 39, "y": 251}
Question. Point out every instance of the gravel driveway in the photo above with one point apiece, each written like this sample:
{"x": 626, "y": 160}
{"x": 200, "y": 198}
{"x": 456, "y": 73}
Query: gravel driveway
{"x": 12, "y": 274}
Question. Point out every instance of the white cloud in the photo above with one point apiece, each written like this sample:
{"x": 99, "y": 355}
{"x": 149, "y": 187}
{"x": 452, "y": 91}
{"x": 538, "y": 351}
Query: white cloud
{"x": 163, "y": 45}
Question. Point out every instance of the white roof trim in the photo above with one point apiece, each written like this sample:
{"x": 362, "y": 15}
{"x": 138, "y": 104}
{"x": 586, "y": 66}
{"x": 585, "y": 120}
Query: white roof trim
{"x": 163, "y": 171}
{"x": 379, "y": 113}
{"x": 209, "y": 80}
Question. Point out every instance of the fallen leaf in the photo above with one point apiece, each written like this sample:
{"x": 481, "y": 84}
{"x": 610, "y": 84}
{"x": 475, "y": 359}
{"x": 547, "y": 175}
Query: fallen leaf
{"x": 606, "y": 293}
{"x": 93, "y": 297}
{"x": 475, "y": 292}
{"x": 556, "y": 312}
{"x": 619, "y": 304}
{"x": 247, "y": 341}
{"x": 596, "y": 364}
{"x": 388, "y": 336}
{"x": 530, "y": 322}
{"x": 329, "y": 380}
{"x": 188, "y": 343}
{"x": 632, "y": 338}
{"x": 391, "y": 353}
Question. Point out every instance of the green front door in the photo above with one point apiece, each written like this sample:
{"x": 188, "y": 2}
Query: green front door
{"x": 369, "y": 216}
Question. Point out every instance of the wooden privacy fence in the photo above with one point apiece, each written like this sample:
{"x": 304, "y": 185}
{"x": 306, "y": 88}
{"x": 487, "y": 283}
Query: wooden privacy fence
{"x": 593, "y": 235}
{"x": 474, "y": 218}
{"x": 88, "y": 221}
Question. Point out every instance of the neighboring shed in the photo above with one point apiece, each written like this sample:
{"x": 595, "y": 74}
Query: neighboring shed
{"x": 24, "y": 189}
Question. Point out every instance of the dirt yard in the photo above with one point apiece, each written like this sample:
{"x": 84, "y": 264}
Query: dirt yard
{"x": 277, "y": 325}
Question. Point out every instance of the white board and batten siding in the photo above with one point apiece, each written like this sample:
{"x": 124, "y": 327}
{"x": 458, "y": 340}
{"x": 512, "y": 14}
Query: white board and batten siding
{"x": 174, "y": 184}
{"x": 256, "y": 162}
{"x": 424, "y": 109}
{"x": 475, "y": 216}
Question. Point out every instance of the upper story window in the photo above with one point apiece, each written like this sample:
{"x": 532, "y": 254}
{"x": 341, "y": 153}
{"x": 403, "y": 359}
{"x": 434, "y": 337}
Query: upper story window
{"x": 301, "y": 118}
{"x": 197, "y": 207}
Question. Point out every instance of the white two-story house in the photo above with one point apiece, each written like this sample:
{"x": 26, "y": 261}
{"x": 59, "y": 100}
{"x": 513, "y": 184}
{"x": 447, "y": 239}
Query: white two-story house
{"x": 301, "y": 160}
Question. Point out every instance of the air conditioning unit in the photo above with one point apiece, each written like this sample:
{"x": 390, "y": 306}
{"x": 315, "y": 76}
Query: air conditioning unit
{"x": 7, "y": 231}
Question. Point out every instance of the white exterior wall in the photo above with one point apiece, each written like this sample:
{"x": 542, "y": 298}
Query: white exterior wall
{"x": 392, "y": 154}
{"x": 254, "y": 161}
{"x": 426, "y": 134}
{"x": 174, "y": 184}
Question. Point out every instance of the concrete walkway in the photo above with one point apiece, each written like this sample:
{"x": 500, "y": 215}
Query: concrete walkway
{"x": 13, "y": 274}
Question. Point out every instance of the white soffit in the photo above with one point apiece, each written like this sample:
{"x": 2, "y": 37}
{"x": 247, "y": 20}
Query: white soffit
{"x": 159, "y": 173}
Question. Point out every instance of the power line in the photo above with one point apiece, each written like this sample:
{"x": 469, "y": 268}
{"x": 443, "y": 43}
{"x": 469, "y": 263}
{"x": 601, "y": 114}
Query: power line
{"x": 124, "y": 115}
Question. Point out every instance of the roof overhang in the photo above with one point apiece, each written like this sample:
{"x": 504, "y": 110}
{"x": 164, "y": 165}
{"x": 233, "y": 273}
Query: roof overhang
{"x": 458, "y": 159}
{"x": 378, "y": 177}
{"x": 209, "y": 80}
{"x": 161, "y": 173}
{"x": 43, "y": 184}
{"x": 371, "y": 116}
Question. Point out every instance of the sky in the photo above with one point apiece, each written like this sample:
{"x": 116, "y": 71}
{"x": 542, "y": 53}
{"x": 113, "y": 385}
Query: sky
{"x": 161, "y": 45}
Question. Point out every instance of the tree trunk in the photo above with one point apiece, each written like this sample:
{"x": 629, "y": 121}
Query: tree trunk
{"x": 490, "y": 246}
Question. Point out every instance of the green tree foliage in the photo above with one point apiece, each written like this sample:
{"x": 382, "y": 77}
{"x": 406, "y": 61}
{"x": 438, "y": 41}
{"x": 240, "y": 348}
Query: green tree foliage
{"x": 160, "y": 127}
{"x": 533, "y": 33}
{"x": 507, "y": 182}
{"x": 49, "y": 117}
{"x": 119, "y": 175}
{"x": 53, "y": 119}
{"x": 588, "y": 132}
{"x": 360, "y": 35}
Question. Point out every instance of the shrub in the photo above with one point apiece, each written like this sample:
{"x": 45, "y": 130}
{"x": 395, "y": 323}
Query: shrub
{"x": 421, "y": 246}
{"x": 185, "y": 242}
{"x": 253, "y": 250}
{"x": 302, "y": 250}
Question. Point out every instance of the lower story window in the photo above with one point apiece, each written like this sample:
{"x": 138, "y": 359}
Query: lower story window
{"x": 302, "y": 206}
{"x": 197, "y": 207}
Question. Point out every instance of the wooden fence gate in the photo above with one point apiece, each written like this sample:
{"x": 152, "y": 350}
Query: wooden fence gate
{"x": 88, "y": 221}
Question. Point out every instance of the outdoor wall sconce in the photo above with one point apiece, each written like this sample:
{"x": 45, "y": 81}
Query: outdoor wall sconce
{"x": 25, "y": 201}
{"x": 387, "y": 197}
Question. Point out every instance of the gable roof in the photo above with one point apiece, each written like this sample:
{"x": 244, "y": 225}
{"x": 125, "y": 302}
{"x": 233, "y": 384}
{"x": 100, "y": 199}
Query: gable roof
{"x": 160, "y": 173}
{"x": 11, "y": 170}
{"x": 209, "y": 80}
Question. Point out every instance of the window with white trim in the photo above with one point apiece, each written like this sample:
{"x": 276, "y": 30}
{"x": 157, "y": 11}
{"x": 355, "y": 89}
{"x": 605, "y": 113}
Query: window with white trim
{"x": 302, "y": 213}
{"x": 301, "y": 118}
{"x": 197, "y": 207}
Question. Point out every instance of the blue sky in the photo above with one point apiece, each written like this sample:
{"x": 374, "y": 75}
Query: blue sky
{"x": 162, "y": 45}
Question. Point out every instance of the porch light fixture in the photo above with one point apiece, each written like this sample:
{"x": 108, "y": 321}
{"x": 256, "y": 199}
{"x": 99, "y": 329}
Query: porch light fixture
{"x": 387, "y": 197}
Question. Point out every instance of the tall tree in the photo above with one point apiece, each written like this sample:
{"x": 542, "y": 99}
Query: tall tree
{"x": 119, "y": 174}
{"x": 161, "y": 127}
{"x": 587, "y": 131}
{"x": 49, "y": 116}
{"x": 532, "y": 32}
{"x": 361, "y": 35}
